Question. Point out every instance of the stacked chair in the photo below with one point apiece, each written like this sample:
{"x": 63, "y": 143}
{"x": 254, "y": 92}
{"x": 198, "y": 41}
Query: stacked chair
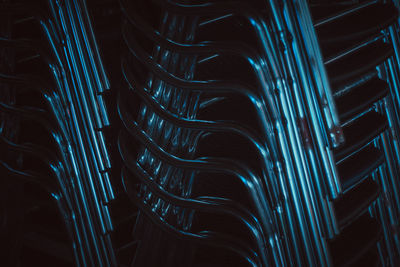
{"x": 312, "y": 86}
{"x": 180, "y": 92}
{"x": 224, "y": 66}
{"x": 200, "y": 133}
{"x": 349, "y": 47}
{"x": 55, "y": 162}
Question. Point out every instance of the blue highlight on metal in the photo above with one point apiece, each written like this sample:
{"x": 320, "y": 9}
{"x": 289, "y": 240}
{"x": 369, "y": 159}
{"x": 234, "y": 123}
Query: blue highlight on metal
{"x": 300, "y": 131}
{"x": 184, "y": 84}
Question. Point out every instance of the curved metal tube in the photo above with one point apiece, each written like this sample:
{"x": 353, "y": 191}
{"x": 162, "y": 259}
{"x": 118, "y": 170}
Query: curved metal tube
{"x": 205, "y": 204}
{"x": 246, "y": 177}
{"x": 204, "y": 237}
